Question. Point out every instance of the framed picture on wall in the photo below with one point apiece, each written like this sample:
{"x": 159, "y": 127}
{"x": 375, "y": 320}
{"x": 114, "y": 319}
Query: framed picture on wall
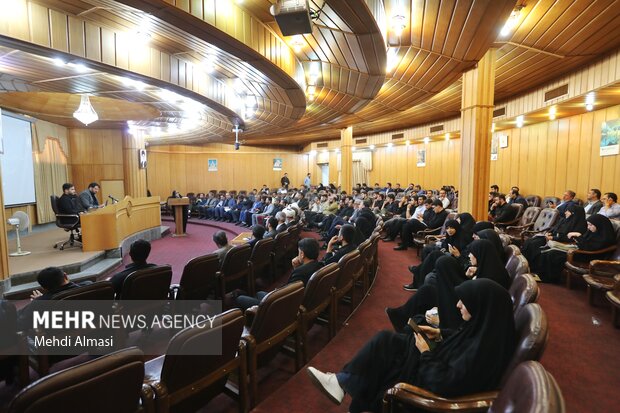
{"x": 142, "y": 158}
{"x": 212, "y": 165}
{"x": 494, "y": 147}
{"x": 610, "y": 138}
{"x": 277, "y": 164}
{"x": 503, "y": 141}
{"x": 421, "y": 157}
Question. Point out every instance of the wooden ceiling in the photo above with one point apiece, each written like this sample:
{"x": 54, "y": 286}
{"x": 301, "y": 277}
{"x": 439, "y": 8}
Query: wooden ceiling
{"x": 345, "y": 56}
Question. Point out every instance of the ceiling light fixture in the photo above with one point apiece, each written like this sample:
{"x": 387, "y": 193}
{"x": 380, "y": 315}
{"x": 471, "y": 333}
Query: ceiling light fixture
{"x": 520, "y": 121}
{"x": 353, "y": 148}
{"x": 427, "y": 140}
{"x": 511, "y": 23}
{"x": 311, "y": 92}
{"x": 447, "y": 136}
{"x": 389, "y": 145}
{"x": 407, "y": 142}
{"x": 398, "y": 24}
{"x": 371, "y": 147}
{"x": 85, "y": 112}
{"x": 312, "y": 152}
{"x": 59, "y": 62}
{"x": 590, "y": 101}
{"x": 297, "y": 43}
{"x": 552, "y": 113}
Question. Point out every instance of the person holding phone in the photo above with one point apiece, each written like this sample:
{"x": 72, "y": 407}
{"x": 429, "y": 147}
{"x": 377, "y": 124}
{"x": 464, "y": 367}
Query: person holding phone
{"x": 471, "y": 360}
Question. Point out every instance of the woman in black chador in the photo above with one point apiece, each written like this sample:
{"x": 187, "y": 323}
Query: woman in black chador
{"x": 471, "y": 360}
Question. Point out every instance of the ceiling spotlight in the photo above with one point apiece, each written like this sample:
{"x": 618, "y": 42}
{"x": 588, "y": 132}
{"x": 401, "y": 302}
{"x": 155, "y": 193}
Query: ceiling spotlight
{"x": 80, "y": 67}
{"x": 372, "y": 147}
{"x": 59, "y": 62}
{"x": 407, "y": 142}
{"x": 398, "y": 24}
{"x": 590, "y": 101}
{"x": 311, "y": 92}
{"x": 297, "y": 43}
{"x": 353, "y": 148}
{"x": 337, "y": 150}
{"x": 389, "y": 145}
{"x": 312, "y": 152}
{"x": 85, "y": 112}
{"x": 511, "y": 23}
{"x": 520, "y": 121}
{"x": 552, "y": 113}
{"x": 427, "y": 139}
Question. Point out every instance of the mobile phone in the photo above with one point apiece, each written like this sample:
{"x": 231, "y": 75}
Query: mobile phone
{"x": 415, "y": 327}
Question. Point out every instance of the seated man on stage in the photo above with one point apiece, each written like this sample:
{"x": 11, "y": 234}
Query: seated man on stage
{"x": 139, "y": 253}
{"x": 88, "y": 197}
{"x": 69, "y": 204}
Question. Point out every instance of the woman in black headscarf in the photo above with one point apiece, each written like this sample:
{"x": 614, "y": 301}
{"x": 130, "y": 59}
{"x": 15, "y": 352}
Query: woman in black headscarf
{"x": 472, "y": 360}
{"x": 600, "y": 234}
{"x": 481, "y": 225}
{"x": 440, "y": 294}
{"x": 467, "y": 222}
{"x": 574, "y": 220}
{"x": 454, "y": 243}
{"x": 485, "y": 263}
{"x": 492, "y": 236}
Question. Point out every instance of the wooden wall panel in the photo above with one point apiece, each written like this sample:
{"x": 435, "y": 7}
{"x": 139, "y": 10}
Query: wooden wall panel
{"x": 96, "y": 154}
{"x": 549, "y": 157}
{"x": 185, "y": 168}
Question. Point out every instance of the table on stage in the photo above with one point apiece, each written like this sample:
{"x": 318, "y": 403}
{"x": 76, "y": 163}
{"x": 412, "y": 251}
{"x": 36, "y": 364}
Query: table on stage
{"x": 106, "y": 228}
{"x": 241, "y": 239}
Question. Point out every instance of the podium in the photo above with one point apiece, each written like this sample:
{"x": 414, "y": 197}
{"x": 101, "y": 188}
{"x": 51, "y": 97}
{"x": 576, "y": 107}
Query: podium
{"x": 178, "y": 204}
{"x": 106, "y": 228}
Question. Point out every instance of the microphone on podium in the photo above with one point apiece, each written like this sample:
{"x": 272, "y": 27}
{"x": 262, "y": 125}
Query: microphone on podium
{"x": 114, "y": 200}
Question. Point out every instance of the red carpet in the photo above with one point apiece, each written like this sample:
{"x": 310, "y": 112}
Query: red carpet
{"x": 581, "y": 352}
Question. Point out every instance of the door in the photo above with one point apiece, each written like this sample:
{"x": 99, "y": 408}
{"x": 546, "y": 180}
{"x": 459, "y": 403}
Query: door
{"x": 325, "y": 174}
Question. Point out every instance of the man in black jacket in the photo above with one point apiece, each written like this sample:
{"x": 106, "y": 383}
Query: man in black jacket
{"x": 430, "y": 220}
{"x": 139, "y": 253}
{"x": 68, "y": 203}
{"x": 304, "y": 265}
{"x": 285, "y": 181}
{"x": 501, "y": 211}
{"x": 345, "y": 239}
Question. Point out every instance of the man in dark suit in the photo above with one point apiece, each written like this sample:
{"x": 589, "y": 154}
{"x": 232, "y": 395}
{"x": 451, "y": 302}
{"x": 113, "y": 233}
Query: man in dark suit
{"x": 88, "y": 197}
{"x": 272, "y": 223}
{"x": 430, "y": 220}
{"x": 285, "y": 181}
{"x": 304, "y": 265}
{"x": 258, "y": 233}
{"x": 345, "y": 239}
{"x": 516, "y": 198}
{"x": 69, "y": 203}
{"x": 594, "y": 202}
{"x": 139, "y": 253}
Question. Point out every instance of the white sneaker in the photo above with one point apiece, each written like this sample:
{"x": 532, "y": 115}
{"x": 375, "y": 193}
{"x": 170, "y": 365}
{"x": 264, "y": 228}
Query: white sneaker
{"x": 328, "y": 383}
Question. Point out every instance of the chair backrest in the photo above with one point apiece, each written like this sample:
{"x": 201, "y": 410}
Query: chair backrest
{"x": 8, "y": 326}
{"x": 348, "y": 268}
{"x": 102, "y": 290}
{"x": 54, "y": 202}
{"x": 319, "y": 286}
{"x": 505, "y": 239}
{"x": 533, "y": 200}
{"x": 261, "y": 253}
{"x": 529, "y": 215}
{"x": 365, "y": 249}
{"x": 276, "y": 311}
{"x": 519, "y": 208}
{"x": 546, "y": 219}
{"x": 510, "y": 250}
{"x": 186, "y": 362}
{"x": 523, "y": 290}
{"x": 529, "y": 389}
{"x": 451, "y": 215}
{"x": 199, "y": 277}
{"x": 547, "y": 199}
{"x": 235, "y": 264}
{"x": 151, "y": 283}
{"x": 84, "y": 387}
{"x": 517, "y": 265}
{"x": 532, "y": 333}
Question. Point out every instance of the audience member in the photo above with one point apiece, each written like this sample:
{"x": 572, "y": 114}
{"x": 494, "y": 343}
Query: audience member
{"x": 430, "y": 221}
{"x": 611, "y": 208}
{"x": 88, "y": 197}
{"x": 304, "y": 265}
{"x": 139, "y": 252}
{"x": 272, "y": 223}
{"x": 258, "y": 232}
{"x": 594, "y": 202}
{"x": 501, "y": 211}
{"x": 471, "y": 360}
{"x": 345, "y": 240}
{"x": 221, "y": 242}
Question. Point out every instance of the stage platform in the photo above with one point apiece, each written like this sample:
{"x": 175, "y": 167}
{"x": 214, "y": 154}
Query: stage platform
{"x": 77, "y": 264}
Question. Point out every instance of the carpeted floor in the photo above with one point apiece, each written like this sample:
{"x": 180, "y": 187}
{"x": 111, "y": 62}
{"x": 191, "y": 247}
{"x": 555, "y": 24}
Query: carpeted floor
{"x": 581, "y": 353}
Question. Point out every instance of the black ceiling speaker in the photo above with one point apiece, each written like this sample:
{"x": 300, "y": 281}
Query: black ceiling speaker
{"x": 293, "y": 16}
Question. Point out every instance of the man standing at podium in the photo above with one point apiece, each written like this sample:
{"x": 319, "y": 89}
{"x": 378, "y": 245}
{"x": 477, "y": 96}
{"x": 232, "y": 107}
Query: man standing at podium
{"x": 88, "y": 197}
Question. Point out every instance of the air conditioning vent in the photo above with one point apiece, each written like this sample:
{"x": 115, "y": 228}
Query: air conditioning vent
{"x": 556, "y": 93}
{"x": 361, "y": 141}
{"x": 437, "y": 128}
{"x": 499, "y": 112}
{"x": 398, "y": 136}
{"x": 322, "y": 145}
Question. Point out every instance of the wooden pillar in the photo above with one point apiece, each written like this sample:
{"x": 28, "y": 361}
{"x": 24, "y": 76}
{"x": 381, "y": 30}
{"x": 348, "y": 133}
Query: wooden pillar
{"x": 476, "y": 119}
{"x": 346, "y": 159}
{"x": 135, "y": 178}
{"x": 4, "y": 245}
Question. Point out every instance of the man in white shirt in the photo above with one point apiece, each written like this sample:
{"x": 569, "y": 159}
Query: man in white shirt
{"x": 443, "y": 197}
{"x": 611, "y": 208}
